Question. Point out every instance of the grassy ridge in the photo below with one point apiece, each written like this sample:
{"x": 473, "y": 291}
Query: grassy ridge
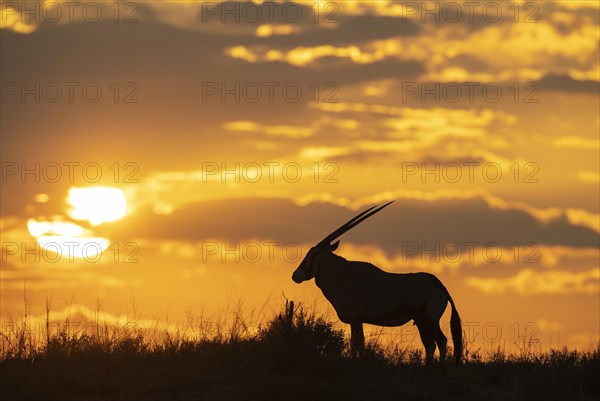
{"x": 296, "y": 355}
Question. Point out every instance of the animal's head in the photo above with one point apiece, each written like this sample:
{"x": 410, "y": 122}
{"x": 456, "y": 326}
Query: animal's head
{"x": 309, "y": 266}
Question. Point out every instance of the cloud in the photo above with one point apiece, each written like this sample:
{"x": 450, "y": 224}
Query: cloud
{"x": 504, "y": 52}
{"x": 480, "y": 258}
{"x": 474, "y": 47}
{"x": 564, "y": 83}
{"x": 438, "y": 218}
{"x": 531, "y": 282}
{"x": 548, "y": 325}
{"x": 311, "y": 56}
{"x": 576, "y": 142}
{"x": 78, "y": 318}
{"x": 583, "y": 218}
{"x": 284, "y": 131}
{"x": 12, "y": 19}
{"x": 17, "y": 275}
{"x": 588, "y": 176}
{"x": 420, "y": 134}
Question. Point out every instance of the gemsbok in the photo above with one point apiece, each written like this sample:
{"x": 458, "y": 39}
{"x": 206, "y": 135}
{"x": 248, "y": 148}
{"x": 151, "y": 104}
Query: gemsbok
{"x": 360, "y": 292}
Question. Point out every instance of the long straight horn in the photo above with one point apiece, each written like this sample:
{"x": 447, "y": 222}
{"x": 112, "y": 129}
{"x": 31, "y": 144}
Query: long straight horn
{"x": 353, "y": 222}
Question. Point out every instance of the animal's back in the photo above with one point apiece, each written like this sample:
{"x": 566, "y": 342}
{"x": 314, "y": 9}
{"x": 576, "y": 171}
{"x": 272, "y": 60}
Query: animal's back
{"x": 369, "y": 292}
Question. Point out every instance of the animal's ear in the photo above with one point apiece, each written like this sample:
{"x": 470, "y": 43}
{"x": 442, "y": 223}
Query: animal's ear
{"x": 334, "y": 246}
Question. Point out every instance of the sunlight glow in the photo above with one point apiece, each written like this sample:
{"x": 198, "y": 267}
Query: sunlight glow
{"x": 66, "y": 239}
{"x": 73, "y": 247}
{"x": 39, "y": 228}
{"x": 97, "y": 204}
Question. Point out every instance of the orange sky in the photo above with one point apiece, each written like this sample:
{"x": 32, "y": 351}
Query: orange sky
{"x": 239, "y": 141}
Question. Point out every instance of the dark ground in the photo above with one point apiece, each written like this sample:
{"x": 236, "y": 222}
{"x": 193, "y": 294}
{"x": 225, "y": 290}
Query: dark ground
{"x": 302, "y": 357}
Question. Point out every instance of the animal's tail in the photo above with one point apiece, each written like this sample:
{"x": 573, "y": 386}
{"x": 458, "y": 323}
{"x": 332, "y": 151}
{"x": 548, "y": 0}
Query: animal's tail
{"x": 456, "y": 329}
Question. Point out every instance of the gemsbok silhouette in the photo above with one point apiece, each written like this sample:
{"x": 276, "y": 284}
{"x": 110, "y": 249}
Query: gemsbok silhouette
{"x": 360, "y": 292}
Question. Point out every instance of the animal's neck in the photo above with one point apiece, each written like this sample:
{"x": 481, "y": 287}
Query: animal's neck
{"x": 327, "y": 269}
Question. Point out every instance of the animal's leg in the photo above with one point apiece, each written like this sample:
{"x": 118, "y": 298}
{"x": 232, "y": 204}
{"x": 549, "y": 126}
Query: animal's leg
{"x": 357, "y": 339}
{"x": 433, "y": 311}
{"x": 427, "y": 338}
{"x": 441, "y": 341}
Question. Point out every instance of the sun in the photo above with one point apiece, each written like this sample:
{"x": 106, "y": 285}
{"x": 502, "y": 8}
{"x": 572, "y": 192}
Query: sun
{"x": 97, "y": 205}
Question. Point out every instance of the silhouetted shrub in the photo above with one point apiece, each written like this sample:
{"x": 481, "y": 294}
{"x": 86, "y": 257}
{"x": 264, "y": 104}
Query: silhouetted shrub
{"x": 297, "y": 339}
